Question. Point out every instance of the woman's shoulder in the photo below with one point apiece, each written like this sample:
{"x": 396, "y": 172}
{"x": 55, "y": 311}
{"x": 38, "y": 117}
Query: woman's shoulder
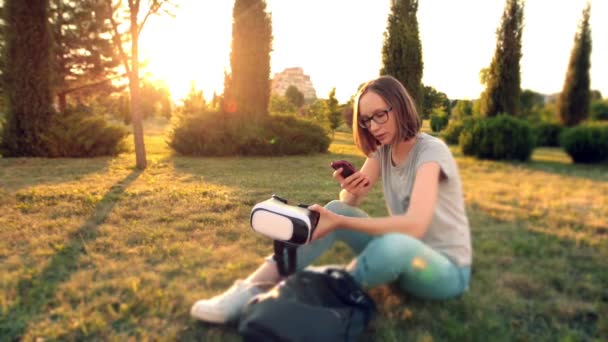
{"x": 430, "y": 143}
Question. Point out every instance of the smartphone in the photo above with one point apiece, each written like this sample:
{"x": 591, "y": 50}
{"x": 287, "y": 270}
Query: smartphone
{"x": 347, "y": 168}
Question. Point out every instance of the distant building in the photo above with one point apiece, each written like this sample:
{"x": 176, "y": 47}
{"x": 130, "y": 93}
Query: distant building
{"x": 295, "y": 77}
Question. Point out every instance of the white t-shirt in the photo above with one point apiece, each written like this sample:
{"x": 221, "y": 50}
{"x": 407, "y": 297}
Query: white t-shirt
{"x": 449, "y": 231}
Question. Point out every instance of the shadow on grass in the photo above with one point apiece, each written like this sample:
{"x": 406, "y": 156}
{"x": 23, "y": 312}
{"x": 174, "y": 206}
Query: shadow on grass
{"x": 24, "y": 172}
{"x": 36, "y": 293}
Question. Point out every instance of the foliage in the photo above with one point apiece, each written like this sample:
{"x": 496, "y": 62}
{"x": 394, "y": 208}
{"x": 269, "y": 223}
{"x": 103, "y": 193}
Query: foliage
{"x": 498, "y": 138}
{"x": 451, "y": 133}
{"x": 547, "y": 133}
{"x": 439, "y": 121}
{"x": 599, "y": 110}
{"x": 294, "y": 96}
{"x": 250, "y": 57}
{"x": 402, "y": 50}
{"x": 573, "y": 104}
{"x": 334, "y": 115}
{"x": 434, "y": 99}
{"x": 530, "y": 104}
{"x": 502, "y": 78}
{"x": 462, "y": 109}
{"x": 587, "y": 143}
{"x": 194, "y": 102}
{"x": 280, "y": 105}
{"x": 85, "y": 58}
{"x": 78, "y": 133}
{"x": 219, "y": 134}
{"x": 28, "y": 78}
{"x": 156, "y": 99}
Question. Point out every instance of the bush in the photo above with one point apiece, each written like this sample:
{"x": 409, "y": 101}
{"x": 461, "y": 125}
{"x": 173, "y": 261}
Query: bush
{"x": 599, "y": 110}
{"x": 438, "y": 122}
{"x": 586, "y": 143}
{"x": 498, "y": 138}
{"x": 547, "y": 133}
{"x": 452, "y": 132}
{"x": 219, "y": 134}
{"x": 76, "y": 133}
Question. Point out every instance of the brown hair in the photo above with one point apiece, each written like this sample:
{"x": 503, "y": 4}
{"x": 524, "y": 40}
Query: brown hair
{"x": 403, "y": 108}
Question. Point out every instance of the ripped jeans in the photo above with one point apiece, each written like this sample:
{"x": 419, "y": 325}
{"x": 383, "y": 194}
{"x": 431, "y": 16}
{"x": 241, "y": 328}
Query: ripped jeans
{"x": 418, "y": 269}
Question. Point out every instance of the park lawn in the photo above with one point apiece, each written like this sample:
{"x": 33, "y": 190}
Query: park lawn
{"x": 94, "y": 249}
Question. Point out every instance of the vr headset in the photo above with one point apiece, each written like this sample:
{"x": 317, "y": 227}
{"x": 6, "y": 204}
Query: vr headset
{"x": 288, "y": 225}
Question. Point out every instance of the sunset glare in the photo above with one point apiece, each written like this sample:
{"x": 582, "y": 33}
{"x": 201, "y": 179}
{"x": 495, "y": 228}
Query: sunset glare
{"x": 339, "y": 43}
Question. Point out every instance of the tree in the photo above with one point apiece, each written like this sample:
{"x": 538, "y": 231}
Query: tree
{"x": 402, "y": 50}
{"x": 28, "y": 77}
{"x": 294, "y": 96}
{"x": 502, "y": 78}
{"x": 85, "y": 57}
{"x": 250, "y": 58}
{"x": 194, "y": 103}
{"x": 117, "y": 14}
{"x": 462, "y": 109}
{"x": 334, "y": 115}
{"x": 530, "y": 102}
{"x": 573, "y": 104}
{"x": 434, "y": 99}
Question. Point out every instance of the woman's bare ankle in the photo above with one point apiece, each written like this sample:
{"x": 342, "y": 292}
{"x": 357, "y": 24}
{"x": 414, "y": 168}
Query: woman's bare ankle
{"x": 266, "y": 273}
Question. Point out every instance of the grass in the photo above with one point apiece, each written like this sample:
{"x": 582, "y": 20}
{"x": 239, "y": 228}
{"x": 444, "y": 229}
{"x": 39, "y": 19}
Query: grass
{"x": 93, "y": 249}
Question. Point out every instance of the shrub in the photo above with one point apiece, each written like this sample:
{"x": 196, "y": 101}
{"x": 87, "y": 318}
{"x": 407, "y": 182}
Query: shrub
{"x": 586, "y": 143}
{"x": 218, "y": 134}
{"x": 452, "y": 132}
{"x": 500, "y": 137}
{"x": 547, "y": 133}
{"x": 599, "y": 110}
{"x": 76, "y": 133}
{"x": 438, "y": 122}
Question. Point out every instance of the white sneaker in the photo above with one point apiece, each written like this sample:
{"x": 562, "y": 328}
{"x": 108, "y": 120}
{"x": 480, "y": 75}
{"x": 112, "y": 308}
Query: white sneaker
{"x": 227, "y": 306}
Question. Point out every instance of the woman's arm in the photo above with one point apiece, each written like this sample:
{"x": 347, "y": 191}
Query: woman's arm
{"x": 414, "y": 222}
{"x": 358, "y": 185}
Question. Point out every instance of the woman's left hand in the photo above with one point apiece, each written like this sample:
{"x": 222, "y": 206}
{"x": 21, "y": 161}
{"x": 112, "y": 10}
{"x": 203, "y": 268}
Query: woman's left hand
{"x": 328, "y": 221}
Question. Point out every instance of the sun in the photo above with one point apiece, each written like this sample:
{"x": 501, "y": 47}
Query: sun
{"x": 191, "y": 47}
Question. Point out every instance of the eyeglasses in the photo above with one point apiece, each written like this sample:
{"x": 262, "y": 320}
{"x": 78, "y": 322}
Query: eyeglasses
{"x": 379, "y": 117}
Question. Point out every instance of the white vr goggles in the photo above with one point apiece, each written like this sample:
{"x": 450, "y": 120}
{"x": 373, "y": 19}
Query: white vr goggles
{"x": 283, "y": 222}
{"x": 288, "y": 225}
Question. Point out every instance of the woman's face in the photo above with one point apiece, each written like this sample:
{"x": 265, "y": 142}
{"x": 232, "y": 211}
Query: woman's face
{"x": 371, "y": 105}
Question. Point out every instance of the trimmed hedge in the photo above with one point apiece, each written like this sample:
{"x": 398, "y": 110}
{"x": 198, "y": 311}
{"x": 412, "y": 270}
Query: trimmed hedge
{"x": 219, "y": 134}
{"x": 502, "y": 137}
{"x": 76, "y": 133}
{"x": 547, "y": 134}
{"x": 586, "y": 143}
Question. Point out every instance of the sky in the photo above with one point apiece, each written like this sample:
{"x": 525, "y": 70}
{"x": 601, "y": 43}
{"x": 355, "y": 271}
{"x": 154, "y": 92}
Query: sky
{"x": 338, "y": 43}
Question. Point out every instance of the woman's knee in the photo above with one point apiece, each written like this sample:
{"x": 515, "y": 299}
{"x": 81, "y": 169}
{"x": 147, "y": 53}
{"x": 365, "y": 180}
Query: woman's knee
{"x": 395, "y": 246}
{"x": 344, "y": 209}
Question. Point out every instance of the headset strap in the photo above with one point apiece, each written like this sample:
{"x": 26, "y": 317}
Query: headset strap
{"x": 285, "y": 267}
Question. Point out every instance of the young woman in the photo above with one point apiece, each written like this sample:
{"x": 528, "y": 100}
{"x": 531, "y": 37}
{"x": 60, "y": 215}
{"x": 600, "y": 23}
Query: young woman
{"x": 424, "y": 244}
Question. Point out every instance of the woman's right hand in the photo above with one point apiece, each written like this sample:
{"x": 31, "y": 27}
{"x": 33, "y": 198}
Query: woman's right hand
{"x": 356, "y": 184}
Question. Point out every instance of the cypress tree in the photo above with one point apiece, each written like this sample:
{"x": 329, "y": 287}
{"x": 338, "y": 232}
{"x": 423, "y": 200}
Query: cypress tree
{"x": 574, "y": 100}
{"x": 502, "y": 78}
{"x": 402, "y": 50}
{"x": 28, "y": 75}
{"x": 250, "y": 57}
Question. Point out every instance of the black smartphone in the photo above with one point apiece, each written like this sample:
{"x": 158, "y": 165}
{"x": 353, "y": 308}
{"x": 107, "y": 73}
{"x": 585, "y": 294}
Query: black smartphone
{"x": 347, "y": 168}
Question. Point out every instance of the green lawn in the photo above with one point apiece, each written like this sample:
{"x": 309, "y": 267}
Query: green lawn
{"x": 93, "y": 249}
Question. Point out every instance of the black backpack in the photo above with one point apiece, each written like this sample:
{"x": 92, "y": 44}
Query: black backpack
{"x": 309, "y": 306}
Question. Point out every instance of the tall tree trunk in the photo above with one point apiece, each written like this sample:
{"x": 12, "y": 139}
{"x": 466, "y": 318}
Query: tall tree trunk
{"x": 138, "y": 130}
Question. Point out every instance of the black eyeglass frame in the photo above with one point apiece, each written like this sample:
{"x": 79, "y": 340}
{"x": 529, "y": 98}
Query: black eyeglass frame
{"x": 380, "y": 117}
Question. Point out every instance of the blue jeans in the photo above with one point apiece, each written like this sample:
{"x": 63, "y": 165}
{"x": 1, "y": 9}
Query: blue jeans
{"x": 418, "y": 269}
